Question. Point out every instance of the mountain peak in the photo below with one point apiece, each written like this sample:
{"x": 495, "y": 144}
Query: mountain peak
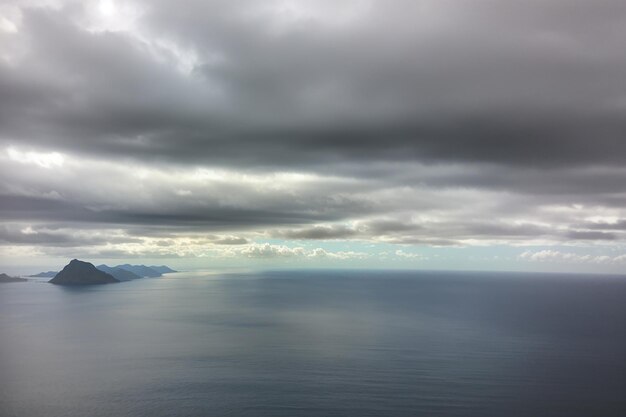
{"x": 82, "y": 273}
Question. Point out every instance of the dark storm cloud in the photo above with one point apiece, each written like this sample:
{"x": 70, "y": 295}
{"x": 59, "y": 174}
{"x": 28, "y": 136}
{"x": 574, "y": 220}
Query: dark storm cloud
{"x": 319, "y": 232}
{"x": 19, "y": 208}
{"x": 591, "y": 235}
{"x": 450, "y": 233}
{"x": 386, "y": 226}
{"x": 537, "y": 83}
{"x": 618, "y": 225}
{"x": 425, "y": 122}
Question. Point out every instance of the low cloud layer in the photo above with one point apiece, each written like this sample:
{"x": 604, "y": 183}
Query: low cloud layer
{"x": 235, "y": 124}
{"x": 112, "y": 203}
{"x": 568, "y": 257}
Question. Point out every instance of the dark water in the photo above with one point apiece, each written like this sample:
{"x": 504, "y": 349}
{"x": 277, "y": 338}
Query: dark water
{"x": 317, "y": 344}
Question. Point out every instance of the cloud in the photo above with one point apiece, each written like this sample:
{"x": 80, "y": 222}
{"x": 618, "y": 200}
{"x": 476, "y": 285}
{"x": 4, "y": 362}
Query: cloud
{"x": 230, "y": 240}
{"x": 143, "y": 200}
{"x": 590, "y": 235}
{"x": 268, "y": 251}
{"x": 395, "y": 82}
{"x": 549, "y": 255}
{"x": 320, "y": 232}
{"x": 618, "y": 224}
{"x": 408, "y": 255}
{"x": 44, "y": 160}
{"x": 440, "y": 123}
{"x": 62, "y": 237}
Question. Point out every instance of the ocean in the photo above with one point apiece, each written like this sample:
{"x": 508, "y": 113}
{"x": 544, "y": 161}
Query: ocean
{"x": 317, "y": 343}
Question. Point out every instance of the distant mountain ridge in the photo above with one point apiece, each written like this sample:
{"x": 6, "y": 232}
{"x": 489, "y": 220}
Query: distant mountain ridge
{"x": 118, "y": 273}
{"x": 82, "y": 273}
{"x": 141, "y": 270}
{"x": 49, "y": 274}
{"x": 145, "y": 271}
{"x": 6, "y": 278}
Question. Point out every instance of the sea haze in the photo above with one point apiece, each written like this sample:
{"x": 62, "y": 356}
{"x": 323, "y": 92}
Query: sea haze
{"x": 317, "y": 343}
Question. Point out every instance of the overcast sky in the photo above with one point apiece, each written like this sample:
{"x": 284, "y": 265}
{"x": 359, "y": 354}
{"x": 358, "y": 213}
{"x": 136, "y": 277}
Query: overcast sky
{"x": 435, "y": 134}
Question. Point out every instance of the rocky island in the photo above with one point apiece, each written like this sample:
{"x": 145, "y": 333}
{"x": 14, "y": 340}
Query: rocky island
{"x": 82, "y": 273}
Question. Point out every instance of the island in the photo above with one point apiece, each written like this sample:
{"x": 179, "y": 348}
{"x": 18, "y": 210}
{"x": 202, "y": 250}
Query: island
{"x": 82, "y": 273}
{"x": 6, "y": 278}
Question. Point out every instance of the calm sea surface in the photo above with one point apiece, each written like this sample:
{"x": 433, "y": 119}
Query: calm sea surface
{"x": 311, "y": 343}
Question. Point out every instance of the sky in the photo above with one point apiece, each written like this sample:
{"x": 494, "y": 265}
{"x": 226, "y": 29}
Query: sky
{"x": 447, "y": 134}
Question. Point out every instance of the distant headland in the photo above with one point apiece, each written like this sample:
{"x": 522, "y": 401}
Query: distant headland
{"x": 6, "y": 278}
